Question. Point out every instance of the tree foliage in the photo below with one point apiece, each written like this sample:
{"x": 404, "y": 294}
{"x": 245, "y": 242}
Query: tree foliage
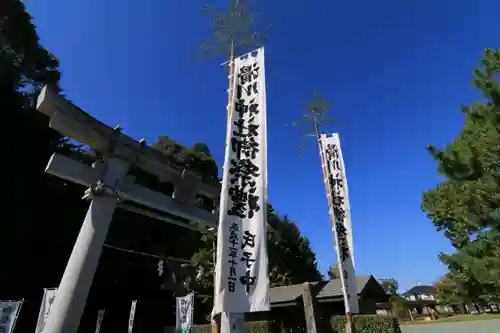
{"x": 467, "y": 205}
{"x": 390, "y": 286}
{"x": 450, "y": 291}
{"x": 234, "y": 29}
{"x": 334, "y": 272}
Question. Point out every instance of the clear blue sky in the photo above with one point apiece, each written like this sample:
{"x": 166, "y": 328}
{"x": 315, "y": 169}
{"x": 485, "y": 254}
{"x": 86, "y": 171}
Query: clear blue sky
{"x": 395, "y": 71}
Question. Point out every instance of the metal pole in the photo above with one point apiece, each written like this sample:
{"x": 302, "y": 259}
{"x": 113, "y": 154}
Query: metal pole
{"x": 349, "y": 323}
{"x": 71, "y": 296}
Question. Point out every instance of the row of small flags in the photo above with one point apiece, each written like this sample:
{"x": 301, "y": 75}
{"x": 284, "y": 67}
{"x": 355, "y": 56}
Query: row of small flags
{"x": 9, "y": 312}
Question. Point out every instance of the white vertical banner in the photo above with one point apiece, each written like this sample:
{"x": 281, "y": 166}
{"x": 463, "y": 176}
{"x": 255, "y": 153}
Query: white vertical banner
{"x": 184, "y": 308}
{"x": 48, "y": 298}
{"x": 100, "y": 317}
{"x": 338, "y": 202}
{"x": 132, "y": 316}
{"x": 9, "y": 310}
{"x": 241, "y": 272}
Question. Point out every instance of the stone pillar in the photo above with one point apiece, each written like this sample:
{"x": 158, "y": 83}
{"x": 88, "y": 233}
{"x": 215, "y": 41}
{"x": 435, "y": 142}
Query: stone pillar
{"x": 309, "y": 308}
{"x": 71, "y": 296}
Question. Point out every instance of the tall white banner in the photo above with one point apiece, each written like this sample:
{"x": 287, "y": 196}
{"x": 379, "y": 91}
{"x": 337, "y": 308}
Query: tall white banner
{"x": 48, "y": 298}
{"x": 241, "y": 273}
{"x": 184, "y": 308}
{"x": 100, "y": 317}
{"x": 132, "y": 316}
{"x": 9, "y": 310}
{"x": 338, "y": 202}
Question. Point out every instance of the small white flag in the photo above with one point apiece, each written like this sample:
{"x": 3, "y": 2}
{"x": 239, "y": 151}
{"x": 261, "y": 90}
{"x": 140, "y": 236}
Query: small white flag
{"x": 132, "y": 316}
{"x": 9, "y": 310}
{"x": 184, "y": 313}
{"x": 48, "y": 298}
{"x": 100, "y": 316}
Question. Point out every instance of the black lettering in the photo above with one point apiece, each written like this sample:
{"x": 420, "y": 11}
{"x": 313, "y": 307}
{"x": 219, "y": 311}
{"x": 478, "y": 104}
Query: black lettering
{"x": 239, "y": 199}
{"x": 247, "y": 281}
{"x": 338, "y": 211}
{"x": 245, "y": 145}
{"x": 253, "y": 204}
{"x": 247, "y": 258}
{"x": 342, "y": 241}
{"x": 249, "y": 89}
{"x": 240, "y": 107}
{"x": 248, "y": 74}
{"x": 336, "y": 181}
{"x": 248, "y": 240}
{"x": 231, "y": 285}
{"x": 184, "y": 309}
{"x": 253, "y": 109}
{"x": 243, "y": 169}
{"x": 233, "y": 252}
{"x": 333, "y": 156}
{"x": 252, "y": 129}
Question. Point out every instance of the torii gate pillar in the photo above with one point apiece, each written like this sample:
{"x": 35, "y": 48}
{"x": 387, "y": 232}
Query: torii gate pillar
{"x": 71, "y": 296}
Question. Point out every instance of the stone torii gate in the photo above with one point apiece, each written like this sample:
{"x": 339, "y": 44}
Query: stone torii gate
{"x": 109, "y": 187}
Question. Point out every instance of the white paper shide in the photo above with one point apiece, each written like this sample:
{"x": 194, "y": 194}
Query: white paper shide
{"x": 8, "y": 314}
{"x": 241, "y": 279}
{"x": 338, "y": 202}
{"x": 184, "y": 313}
{"x": 48, "y": 298}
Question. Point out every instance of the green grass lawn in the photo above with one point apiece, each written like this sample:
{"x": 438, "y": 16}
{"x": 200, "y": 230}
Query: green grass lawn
{"x": 453, "y": 319}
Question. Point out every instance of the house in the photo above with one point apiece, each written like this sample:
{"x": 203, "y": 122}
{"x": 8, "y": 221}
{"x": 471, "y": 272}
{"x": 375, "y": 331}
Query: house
{"x": 286, "y": 301}
{"x": 421, "y": 292}
{"x": 423, "y": 301}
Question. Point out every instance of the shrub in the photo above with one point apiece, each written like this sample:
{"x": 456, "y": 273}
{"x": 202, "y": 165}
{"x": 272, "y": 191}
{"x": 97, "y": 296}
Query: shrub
{"x": 363, "y": 323}
{"x": 252, "y": 327}
{"x": 367, "y": 324}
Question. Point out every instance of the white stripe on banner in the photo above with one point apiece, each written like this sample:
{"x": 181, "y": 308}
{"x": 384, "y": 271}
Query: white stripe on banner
{"x": 48, "y": 298}
{"x": 338, "y": 202}
{"x": 132, "y": 316}
{"x": 9, "y": 311}
{"x": 241, "y": 273}
{"x": 184, "y": 308}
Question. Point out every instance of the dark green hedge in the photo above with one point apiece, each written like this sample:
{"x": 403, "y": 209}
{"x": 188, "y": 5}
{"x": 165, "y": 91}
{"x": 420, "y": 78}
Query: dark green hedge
{"x": 252, "y": 327}
{"x": 363, "y": 324}
{"x": 367, "y": 324}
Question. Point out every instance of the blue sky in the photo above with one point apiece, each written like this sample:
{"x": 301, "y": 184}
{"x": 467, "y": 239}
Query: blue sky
{"x": 395, "y": 71}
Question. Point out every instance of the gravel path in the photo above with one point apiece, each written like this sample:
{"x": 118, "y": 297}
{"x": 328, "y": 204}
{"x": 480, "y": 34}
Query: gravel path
{"x": 480, "y": 326}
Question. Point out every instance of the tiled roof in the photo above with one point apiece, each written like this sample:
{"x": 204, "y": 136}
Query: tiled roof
{"x": 327, "y": 289}
{"x": 419, "y": 290}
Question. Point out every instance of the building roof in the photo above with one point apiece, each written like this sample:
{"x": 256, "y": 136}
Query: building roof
{"x": 419, "y": 290}
{"x": 323, "y": 289}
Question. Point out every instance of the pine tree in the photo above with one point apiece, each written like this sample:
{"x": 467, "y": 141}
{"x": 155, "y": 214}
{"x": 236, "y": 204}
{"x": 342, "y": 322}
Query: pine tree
{"x": 467, "y": 206}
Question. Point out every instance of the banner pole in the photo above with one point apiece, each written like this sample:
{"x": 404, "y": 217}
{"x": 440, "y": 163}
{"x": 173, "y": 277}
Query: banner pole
{"x": 215, "y": 320}
{"x": 349, "y": 323}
